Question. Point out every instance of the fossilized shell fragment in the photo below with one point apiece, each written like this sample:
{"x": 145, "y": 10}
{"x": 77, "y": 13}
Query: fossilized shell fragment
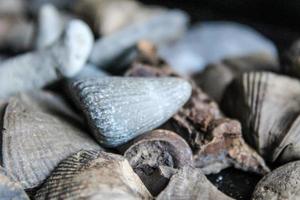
{"x": 109, "y": 16}
{"x": 224, "y": 146}
{"x": 39, "y": 131}
{"x": 268, "y": 107}
{"x": 191, "y": 183}
{"x": 282, "y": 183}
{"x": 93, "y": 175}
{"x": 157, "y": 148}
{"x": 37, "y": 69}
{"x": 9, "y": 188}
{"x": 216, "y": 77}
{"x": 216, "y": 141}
{"x": 119, "y": 109}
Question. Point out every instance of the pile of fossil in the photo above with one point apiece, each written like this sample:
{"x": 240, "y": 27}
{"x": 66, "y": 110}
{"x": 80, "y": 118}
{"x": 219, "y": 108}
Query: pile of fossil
{"x": 114, "y": 99}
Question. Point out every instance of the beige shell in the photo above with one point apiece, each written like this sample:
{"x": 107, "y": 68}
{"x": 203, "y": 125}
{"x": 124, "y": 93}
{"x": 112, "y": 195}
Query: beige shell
{"x": 268, "y": 106}
{"x": 40, "y": 131}
{"x": 93, "y": 175}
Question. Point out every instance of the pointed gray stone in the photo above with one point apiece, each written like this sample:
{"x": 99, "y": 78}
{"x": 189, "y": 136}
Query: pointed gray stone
{"x": 119, "y": 109}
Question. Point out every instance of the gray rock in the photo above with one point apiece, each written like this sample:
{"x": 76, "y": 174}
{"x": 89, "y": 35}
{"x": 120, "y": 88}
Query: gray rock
{"x": 40, "y": 130}
{"x": 119, "y": 109}
{"x": 159, "y": 30}
{"x": 40, "y": 68}
{"x": 282, "y": 183}
{"x": 209, "y": 42}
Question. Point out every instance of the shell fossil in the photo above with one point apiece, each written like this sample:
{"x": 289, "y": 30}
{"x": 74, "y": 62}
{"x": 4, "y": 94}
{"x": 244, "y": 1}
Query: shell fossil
{"x": 93, "y": 175}
{"x": 157, "y": 148}
{"x": 216, "y": 141}
{"x": 191, "y": 183}
{"x": 119, "y": 109}
{"x": 39, "y": 132}
{"x": 9, "y": 188}
{"x": 282, "y": 183}
{"x": 65, "y": 58}
{"x": 268, "y": 106}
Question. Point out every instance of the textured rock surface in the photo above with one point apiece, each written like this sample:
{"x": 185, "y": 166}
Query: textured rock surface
{"x": 93, "y": 175}
{"x": 9, "y": 188}
{"x": 119, "y": 109}
{"x": 160, "y": 30}
{"x": 282, "y": 183}
{"x": 210, "y": 42}
{"x": 190, "y": 183}
{"x": 39, "y": 132}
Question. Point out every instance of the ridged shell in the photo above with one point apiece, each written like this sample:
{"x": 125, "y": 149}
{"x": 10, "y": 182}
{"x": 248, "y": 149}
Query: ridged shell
{"x": 191, "y": 183}
{"x": 9, "y": 188}
{"x": 38, "y": 132}
{"x": 282, "y": 183}
{"x": 93, "y": 175}
{"x": 268, "y": 106}
{"x": 119, "y": 109}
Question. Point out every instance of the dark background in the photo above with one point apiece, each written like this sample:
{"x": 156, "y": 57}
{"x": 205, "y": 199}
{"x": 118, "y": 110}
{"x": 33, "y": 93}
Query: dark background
{"x": 279, "y": 20}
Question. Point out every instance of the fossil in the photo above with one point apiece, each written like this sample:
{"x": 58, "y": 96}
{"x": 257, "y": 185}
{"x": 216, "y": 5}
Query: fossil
{"x": 217, "y": 142}
{"x": 9, "y": 188}
{"x": 121, "y": 108}
{"x": 191, "y": 183}
{"x": 282, "y": 183}
{"x": 93, "y": 175}
{"x": 39, "y": 130}
{"x": 157, "y": 148}
{"x": 38, "y": 69}
{"x": 268, "y": 107}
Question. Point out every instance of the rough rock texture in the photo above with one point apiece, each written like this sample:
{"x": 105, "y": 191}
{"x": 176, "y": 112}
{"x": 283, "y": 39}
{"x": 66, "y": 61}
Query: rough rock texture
{"x": 93, "y": 175}
{"x": 280, "y": 184}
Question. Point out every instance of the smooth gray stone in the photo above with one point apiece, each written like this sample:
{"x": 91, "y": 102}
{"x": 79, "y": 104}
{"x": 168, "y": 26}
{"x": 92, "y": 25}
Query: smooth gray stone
{"x": 210, "y": 42}
{"x": 37, "y": 69}
{"x": 160, "y": 30}
{"x": 90, "y": 71}
{"x": 118, "y": 109}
